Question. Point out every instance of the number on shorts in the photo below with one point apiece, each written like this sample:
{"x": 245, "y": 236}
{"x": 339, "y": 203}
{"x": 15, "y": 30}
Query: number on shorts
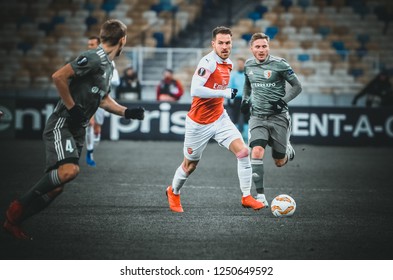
{"x": 68, "y": 146}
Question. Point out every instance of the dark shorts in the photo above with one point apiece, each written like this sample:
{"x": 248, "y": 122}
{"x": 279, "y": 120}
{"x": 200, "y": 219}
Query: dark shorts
{"x": 62, "y": 145}
{"x": 273, "y": 129}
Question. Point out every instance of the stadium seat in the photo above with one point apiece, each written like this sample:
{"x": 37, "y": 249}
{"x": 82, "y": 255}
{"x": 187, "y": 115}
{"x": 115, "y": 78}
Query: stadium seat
{"x": 247, "y": 37}
{"x": 261, "y": 9}
{"x": 254, "y": 15}
{"x": 286, "y": 4}
{"x": 159, "y": 36}
{"x": 271, "y": 31}
{"x": 303, "y": 57}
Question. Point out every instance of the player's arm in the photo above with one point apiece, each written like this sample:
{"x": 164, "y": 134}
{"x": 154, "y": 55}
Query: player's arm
{"x": 246, "y": 102}
{"x": 60, "y": 79}
{"x": 199, "y": 80}
{"x": 246, "y": 88}
{"x": 295, "y": 90}
{"x": 289, "y": 75}
{"x": 110, "y": 105}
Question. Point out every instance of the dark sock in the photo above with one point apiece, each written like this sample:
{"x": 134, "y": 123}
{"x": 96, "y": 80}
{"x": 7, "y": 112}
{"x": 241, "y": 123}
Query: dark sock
{"x": 40, "y": 203}
{"x": 47, "y": 183}
{"x": 257, "y": 174}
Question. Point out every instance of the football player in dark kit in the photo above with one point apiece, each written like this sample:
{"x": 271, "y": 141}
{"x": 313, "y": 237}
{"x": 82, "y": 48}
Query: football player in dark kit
{"x": 83, "y": 86}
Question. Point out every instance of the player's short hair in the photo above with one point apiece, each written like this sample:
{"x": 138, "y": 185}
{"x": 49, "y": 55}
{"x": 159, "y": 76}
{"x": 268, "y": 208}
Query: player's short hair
{"x": 112, "y": 31}
{"x": 257, "y": 36}
{"x": 221, "y": 30}
{"x": 95, "y": 38}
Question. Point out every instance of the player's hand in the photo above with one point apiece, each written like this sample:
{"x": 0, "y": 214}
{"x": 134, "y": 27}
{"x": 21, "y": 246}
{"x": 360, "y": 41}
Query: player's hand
{"x": 245, "y": 107}
{"x": 233, "y": 93}
{"x": 278, "y": 105}
{"x": 78, "y": 118}
{"x": 135, "y": 113}
{"x": 230, "y": 93}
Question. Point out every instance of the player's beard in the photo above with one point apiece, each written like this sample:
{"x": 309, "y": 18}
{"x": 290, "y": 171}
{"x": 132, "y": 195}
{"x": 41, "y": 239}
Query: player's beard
{"x": 225, "y": 55}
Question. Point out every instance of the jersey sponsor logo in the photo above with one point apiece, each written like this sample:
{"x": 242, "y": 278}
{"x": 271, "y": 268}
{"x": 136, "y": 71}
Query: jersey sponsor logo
{"x": 222, "y": 86}
{"x": 263, "y": 84}
{"x": 82, "y": 61}
{"x": 201, "y": 71}
{"x": 290, "y": 72}
{"x": 267, "y": 74}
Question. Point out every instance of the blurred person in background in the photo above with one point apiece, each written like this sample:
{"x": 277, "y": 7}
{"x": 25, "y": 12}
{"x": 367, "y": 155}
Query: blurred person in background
{"x": 378, "y": 91}
{"x": 93, "y": 131}
{"x": 130, "y": 88}
{"x": 169, "y": 88}
{"x": 237, "y": 81}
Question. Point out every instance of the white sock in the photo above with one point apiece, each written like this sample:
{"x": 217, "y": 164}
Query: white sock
{"x": 97, "y": 138}
{"x": 89, "y": 138}
{"x": 179, "y": 179}
{"x": 244, "y": 173}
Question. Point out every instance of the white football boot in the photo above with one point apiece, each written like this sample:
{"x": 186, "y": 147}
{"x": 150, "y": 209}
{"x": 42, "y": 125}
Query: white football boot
{"x": 290, "y": 151}
{"x": 262, "y": 198}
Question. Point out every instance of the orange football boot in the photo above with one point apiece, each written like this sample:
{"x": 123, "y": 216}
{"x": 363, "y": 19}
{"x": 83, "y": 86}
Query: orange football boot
{"x": 16, "y": 231}
{"x": 250, "y": 202}
{"x": 13, "y": 218}
{"x": 174, "y": 200}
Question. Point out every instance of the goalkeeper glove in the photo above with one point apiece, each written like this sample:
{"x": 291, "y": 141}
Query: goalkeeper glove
{"x": 278, "y": 105}
{"x": 136, "y": 113}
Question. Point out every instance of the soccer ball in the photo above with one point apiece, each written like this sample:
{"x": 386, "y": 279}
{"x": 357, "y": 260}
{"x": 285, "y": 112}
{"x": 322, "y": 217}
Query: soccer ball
{"x": 283, "y": 206}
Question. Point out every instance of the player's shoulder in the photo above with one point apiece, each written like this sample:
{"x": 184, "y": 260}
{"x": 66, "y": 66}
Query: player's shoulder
{"x": 208, "y": 61}
{"x": 250, "y": 62}
{"x": 89, "y": 57}
{"x": 279, "y": 62}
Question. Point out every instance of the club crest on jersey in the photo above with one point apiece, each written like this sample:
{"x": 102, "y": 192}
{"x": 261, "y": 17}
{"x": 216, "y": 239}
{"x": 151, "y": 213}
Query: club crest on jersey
{"x": 82, "y": 61}
{"x": 201, "y": 71}
{"x": 189, "y": 151}
{"x": 267, "y": 74}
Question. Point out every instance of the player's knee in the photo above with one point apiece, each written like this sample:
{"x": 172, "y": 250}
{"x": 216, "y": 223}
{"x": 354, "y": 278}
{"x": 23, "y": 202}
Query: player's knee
{"x": 257, "y": 152}
{"x": 280, "y": 162}
{"x": 242, "y": 153}
{"x": 68, "y": 172}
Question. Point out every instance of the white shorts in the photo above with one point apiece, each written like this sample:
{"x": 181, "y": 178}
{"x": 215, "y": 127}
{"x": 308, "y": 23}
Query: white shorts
{"x": 197, "y": 135}
{"x": 99, "y": 116}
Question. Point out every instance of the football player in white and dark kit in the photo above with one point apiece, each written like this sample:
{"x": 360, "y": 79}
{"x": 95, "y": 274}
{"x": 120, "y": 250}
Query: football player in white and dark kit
{"x": 83, "y": 86}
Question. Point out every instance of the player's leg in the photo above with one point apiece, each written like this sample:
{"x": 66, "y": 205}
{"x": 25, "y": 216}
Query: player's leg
{"x": 195, "y": 141}
{"x": 179, "y": 179}
{"x": 259, "y": 135}
{"x": 62, "y": 158}
{"x": 228, "y": 135}
{"x": 282, "y": 150}
{"x": 99, "y": 117}
{"x": 90, "y": 143}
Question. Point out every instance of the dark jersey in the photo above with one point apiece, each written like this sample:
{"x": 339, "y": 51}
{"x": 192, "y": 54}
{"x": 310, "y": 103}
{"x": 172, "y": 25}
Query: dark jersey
{"x": 265, "y": 81}
{"x": 93, "y": 74}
